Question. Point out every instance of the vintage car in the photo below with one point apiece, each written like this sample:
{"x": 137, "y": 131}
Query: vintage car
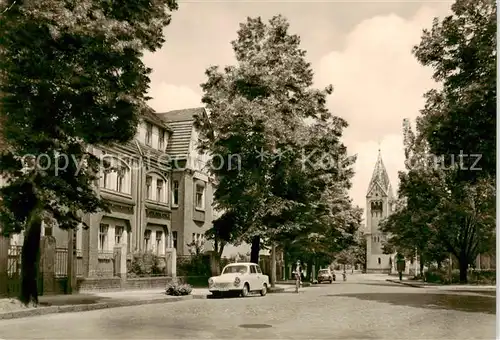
{"x": 241, "y": 278}
{"x": 326, "y": 275}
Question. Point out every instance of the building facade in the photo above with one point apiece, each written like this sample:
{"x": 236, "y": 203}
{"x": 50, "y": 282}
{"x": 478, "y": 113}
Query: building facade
{"x": 158, "y": 190}
{"x": 192, "y": 185}
{"x": 379, "y": 205}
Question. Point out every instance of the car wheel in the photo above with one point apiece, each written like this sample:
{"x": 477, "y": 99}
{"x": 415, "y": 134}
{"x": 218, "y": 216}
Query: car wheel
{"x": 263, "y": 291}
{"x": 244, "y": 292}
{"x": 331, "y": 281}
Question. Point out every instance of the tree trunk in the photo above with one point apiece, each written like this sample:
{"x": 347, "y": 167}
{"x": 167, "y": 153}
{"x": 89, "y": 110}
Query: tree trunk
{"x": 273, "y": 265}
{"x": 30, "y": 260}
{"x": 309, "y": 269}
{"x": 254, "y": 253}
{"x": 215, "y": 264}
{"x": 422, "y": 268}
{"x": 463, "y": 266}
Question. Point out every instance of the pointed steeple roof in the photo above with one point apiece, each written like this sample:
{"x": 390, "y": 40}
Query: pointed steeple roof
{"x": 380, "y": 177}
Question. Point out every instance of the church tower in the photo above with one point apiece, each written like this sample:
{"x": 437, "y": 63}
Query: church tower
{"x": 379, "y": 205}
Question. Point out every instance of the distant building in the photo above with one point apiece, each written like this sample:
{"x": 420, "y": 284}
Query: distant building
{"x": 380, "y": 203}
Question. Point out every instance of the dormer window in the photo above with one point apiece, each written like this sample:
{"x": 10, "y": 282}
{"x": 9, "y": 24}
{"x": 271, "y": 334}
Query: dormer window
{"x": 161, "y": 140}
{"x": 149, "y": 133}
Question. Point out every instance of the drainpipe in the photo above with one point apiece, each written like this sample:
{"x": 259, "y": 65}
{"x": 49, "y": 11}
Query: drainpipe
{"x": 139, "y": 196}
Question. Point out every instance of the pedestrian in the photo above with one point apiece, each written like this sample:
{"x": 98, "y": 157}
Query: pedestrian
{"x": 298, "y": 276}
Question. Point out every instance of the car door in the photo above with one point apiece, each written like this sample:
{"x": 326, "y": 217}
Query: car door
{"x": 254, "y": 280}
{"x": 260, "y": 276}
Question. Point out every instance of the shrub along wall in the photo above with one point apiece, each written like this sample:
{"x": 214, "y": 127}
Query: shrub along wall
{"x": 481, "y": 277}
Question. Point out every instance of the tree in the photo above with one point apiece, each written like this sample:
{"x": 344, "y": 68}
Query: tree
{"x": 257, "y": 114}
{"x": 439, "y": 214}
{"x": 72, "y": 76}
{"x": 461, "y": 117}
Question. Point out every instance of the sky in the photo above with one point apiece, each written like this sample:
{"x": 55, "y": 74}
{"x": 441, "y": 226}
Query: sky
{"x": 362, "y": 48}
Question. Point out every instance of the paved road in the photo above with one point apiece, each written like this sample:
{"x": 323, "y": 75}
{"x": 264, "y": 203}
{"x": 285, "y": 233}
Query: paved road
{"x": 361, "y": 308}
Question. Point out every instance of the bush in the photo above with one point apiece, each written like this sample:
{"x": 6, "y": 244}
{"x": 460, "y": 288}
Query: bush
{"x": 195, "y": 265}
{"x": 145, "y": 264}
{"x": 176, "y": 289}
{"x": 484, "y": 277}
{"x": 195, "y": 281}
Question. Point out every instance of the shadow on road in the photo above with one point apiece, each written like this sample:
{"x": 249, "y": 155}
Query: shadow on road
{"x": 465, "y": 303}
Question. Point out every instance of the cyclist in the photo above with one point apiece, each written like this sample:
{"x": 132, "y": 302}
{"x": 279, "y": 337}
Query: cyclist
{"x": 298, "y": 276}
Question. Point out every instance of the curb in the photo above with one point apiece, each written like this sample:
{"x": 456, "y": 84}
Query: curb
{"x": 95, "y": 306}
{"x": 275, "y": 290}
{"x": 406, "y": 283}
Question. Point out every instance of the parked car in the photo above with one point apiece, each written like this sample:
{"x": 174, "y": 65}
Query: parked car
{"x": 241, "y": 278}
{"x": 326, "y": 275}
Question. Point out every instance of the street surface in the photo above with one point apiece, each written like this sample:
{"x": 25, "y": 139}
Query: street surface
{"x": 364, "y": 307}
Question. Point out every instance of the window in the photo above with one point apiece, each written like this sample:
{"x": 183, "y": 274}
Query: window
{"x": 379, "y": 261}
{"x": 253, "y": 270}
{"x": 258, "y": 270}
{"x": 198, "y": 239}
{"x": 105, "y": 179}
{"x": 159, "y": 190}
{"x": 200, "y": 195}
{"x": 103, "y": 237}
{"x": 161, "y": 140}
{"x": 193, "y": 238}
{"x": 147, "y": 240}
{"x": 118, "y": 235}
{"x": 120, "y": 179}
{"x": 149, "y": 179}
{"x": 159, "y": 235}
{"x": 174, "y": 239}
{"x": 175, "y": 193}
{"x": 149, "y": 133}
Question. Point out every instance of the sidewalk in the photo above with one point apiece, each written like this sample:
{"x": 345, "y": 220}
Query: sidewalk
{"x": 49, "y": 304}
{"x": 465, "y": 287}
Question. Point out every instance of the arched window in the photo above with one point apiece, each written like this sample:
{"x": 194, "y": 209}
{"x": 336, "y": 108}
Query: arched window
{"x": 156, "y": 187}
{"x": 116, "y": 174}
{"x": 379, "y": 261}
{"x": 376, "y": 208}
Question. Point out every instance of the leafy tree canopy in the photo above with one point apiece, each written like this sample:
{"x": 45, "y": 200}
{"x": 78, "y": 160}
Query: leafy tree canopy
{"x": 258, "y": 110}
{"x": 461, "y": 116}
{"x": 71, "y": 76}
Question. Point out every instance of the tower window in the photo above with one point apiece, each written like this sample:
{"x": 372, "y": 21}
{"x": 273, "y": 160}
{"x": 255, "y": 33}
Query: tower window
{"x": 379, "y": 261}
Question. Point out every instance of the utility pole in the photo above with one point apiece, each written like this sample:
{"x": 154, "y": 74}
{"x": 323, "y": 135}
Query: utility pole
{"x": 273, "y": 265}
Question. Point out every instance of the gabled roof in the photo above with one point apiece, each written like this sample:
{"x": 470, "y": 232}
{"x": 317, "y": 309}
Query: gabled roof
{"x": 151, "y": 117}
{"x": 181, "y": 115}
{"x": 182, "y": 124}
{"x": 380, "y": 177}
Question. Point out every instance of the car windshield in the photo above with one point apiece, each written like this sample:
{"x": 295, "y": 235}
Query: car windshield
{"x": 235, "y": 269}
{"x": 324, "y": 271}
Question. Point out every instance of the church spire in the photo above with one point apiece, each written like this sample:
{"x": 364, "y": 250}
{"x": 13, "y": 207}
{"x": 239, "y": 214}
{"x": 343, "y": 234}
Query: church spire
{"x": 380, "y": 176}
